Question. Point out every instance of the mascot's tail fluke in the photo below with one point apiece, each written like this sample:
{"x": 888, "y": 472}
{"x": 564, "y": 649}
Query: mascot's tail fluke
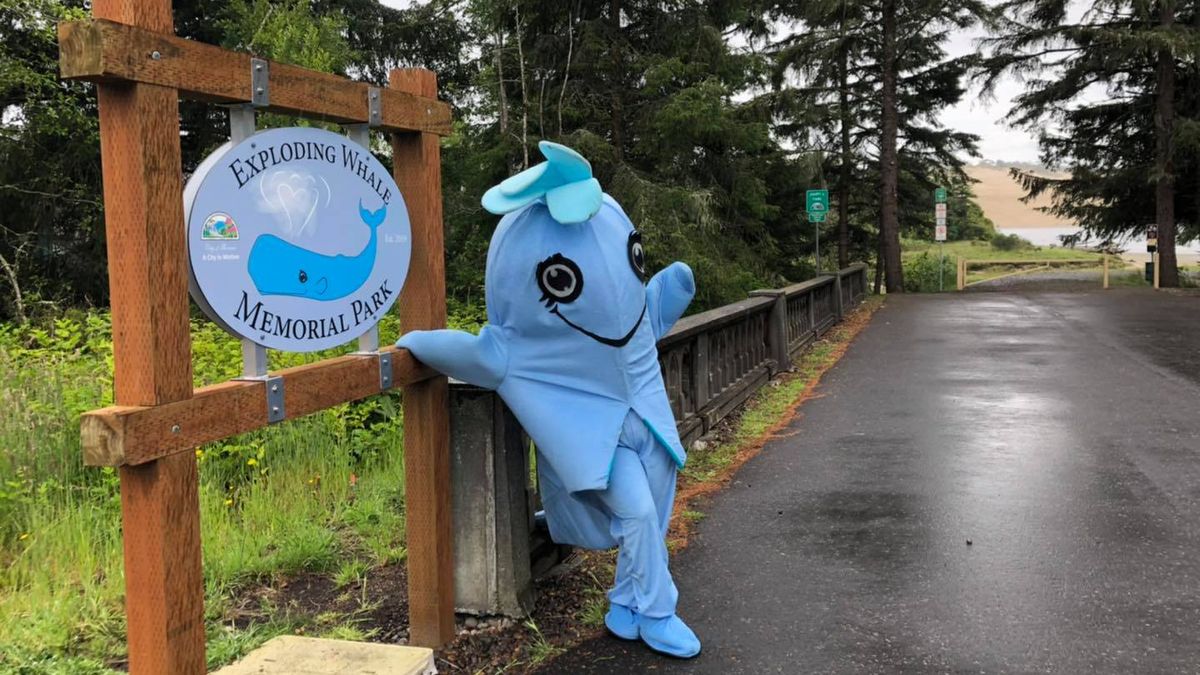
{"x": 373, "y": 219}
{"x": 564, "y": 180}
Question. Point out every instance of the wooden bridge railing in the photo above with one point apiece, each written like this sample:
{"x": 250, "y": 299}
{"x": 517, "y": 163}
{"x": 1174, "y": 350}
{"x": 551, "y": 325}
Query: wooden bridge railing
{"x": 715, "y": 360}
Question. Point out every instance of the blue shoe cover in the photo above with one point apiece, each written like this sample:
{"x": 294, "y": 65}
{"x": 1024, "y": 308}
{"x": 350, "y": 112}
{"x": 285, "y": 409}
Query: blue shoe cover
{"x": 669, "y": 635}
{"x": 621, "y": 621}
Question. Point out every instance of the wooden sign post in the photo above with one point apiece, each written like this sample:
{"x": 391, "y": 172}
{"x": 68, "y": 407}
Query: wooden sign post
{"x": 141, "y": 70}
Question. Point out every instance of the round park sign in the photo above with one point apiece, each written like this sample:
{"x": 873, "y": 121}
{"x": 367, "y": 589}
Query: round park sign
{"x": 298, "y": 238}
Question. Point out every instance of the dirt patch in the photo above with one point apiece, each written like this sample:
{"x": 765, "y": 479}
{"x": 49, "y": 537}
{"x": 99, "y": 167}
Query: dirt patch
{"x": 378, "y": 607}
{"x": 378, "y": 603}
{"x": 519, "y": 647}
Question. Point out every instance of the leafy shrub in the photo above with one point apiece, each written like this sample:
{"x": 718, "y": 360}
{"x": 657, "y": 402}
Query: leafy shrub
{"x": 1010, "y": 242}
{"x": 921, "y": 273}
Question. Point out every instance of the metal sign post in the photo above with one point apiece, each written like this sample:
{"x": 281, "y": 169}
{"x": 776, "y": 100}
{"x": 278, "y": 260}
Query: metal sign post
{"x": 1152, "y": 248}
{"x": 817, "y": 204}
{"x": 939, "y": 212}
{"x": 817, "y": 238}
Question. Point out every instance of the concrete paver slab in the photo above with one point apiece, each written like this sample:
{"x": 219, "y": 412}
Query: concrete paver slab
{"x": 293, "y": 655}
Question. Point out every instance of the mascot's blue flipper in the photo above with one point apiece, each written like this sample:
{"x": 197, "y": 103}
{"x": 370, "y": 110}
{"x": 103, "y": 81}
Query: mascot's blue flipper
{"x": 564, "y": 181}
{"x": 480, "y": 360}
{"x": 668, "y": 295}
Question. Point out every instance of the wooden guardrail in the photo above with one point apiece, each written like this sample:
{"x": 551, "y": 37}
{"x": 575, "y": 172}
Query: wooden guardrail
{"x": 713, "y": 361}
{"x": 964, "y": 265}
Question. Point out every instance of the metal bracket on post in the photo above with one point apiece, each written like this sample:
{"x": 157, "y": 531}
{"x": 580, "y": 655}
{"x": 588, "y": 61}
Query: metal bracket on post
{"x": 368, "y": 342}
{"x": 275, "y": 410}
{"x": 241, "y": 122}
{"x": 368, "y": 345}
{"x": 374, "y": 107}
{"x": 385, "y": 371}
{"x": 260, "y": 83}
{"x": 359, "y": 133}
{"x": 254, "y": 368}
{"x": 254, "y": 361}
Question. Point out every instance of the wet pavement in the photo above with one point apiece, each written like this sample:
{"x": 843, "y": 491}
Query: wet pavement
{"x": 990, "y": 483}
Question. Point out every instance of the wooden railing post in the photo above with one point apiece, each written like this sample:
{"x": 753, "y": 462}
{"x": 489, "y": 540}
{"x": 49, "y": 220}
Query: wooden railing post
{"x": 812, "y": 313}
{"x": 701, "y": 377}
{"x": 139, "y": 139}
{"x": 838, "y": 301}
{"x": 416, "y": 158}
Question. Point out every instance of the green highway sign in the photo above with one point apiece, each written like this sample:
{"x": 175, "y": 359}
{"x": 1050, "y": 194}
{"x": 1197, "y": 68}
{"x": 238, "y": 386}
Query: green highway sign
{"x": 939, "y": 195}
{"x": 817, "y": 202}
{"x": 816, "y": 216}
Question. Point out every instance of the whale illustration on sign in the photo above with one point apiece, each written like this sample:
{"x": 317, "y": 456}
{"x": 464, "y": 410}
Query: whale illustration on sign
{"x": 279, "y": 267}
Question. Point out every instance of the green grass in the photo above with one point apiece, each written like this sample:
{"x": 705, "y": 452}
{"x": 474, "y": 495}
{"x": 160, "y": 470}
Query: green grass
{"x": 982, "y": 250}
{"x": 921, "y": 259}
{"x": 323, "y": 494}
{"x": 540, "y": 649}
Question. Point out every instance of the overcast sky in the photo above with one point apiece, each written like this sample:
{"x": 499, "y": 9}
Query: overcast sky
{"x": 984, "y": 117}
{"x": 972, "y": 114}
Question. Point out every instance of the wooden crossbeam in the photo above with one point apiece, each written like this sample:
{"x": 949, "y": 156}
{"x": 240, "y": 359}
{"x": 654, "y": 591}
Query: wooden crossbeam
{"x": 130, "y": 435}
{"x": 97, "y": 50}
{"x": 1064, "y": 261}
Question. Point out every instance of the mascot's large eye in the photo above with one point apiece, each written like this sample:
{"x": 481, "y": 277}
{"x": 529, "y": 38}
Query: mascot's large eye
{"x": 303, "y": 277}
{"x": 559, "y": 279}
{"x": 637, "y": 258}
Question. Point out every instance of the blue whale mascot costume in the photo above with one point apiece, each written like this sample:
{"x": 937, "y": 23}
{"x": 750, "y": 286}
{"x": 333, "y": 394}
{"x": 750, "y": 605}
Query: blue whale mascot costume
{"x": 570, "y": 347}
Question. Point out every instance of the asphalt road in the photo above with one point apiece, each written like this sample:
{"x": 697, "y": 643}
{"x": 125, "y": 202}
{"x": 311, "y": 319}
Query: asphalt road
{"x": 1058, "y": 433}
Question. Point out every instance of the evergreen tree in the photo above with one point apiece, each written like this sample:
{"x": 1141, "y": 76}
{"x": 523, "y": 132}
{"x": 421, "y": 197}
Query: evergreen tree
{"x": 647, "y": 91}
{"x": 879, "y": 69}
{"x": 1143, "y": 56}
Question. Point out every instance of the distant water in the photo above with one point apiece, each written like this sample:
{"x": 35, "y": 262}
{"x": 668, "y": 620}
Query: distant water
{"x": 1049, "y": 236}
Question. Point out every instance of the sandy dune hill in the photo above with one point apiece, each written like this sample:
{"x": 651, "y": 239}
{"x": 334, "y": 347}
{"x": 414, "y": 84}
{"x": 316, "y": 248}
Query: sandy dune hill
{"x": 1000, "y": 198}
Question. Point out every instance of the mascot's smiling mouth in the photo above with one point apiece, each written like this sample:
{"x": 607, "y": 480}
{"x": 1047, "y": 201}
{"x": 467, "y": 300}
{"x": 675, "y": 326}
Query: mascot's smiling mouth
{"x": 611, "y": 342}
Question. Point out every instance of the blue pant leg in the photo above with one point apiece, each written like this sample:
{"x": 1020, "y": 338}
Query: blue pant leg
{"x": 643, "y": 579}
{"x": 660, "y": 471}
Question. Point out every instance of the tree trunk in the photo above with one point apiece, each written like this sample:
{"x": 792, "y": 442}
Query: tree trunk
{"x": 524, "y": 91}
{"x": 844, "y": 179}
{"x": 618, "y": 134}
{"x": 15, "y": 281}
{"x": 566, "y": 69}
{"x": 1164, "y": 131}
{"x": 878, "y": 261}
{"x": 501, "y": 95}
{"x": 888, "y": 165}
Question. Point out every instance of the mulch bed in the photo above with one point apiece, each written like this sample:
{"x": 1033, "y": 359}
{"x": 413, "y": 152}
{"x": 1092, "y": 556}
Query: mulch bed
{"x": 483, "y": 644}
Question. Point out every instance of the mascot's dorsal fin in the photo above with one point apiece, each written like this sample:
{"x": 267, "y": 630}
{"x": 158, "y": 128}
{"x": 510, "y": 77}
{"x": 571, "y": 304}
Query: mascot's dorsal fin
{"x": 564, "y": 180}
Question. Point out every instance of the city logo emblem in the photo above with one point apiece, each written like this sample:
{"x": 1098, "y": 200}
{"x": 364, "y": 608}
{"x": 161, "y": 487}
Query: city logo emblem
{"x": 298, "y": 239}
{"x": 219, "y": 226}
